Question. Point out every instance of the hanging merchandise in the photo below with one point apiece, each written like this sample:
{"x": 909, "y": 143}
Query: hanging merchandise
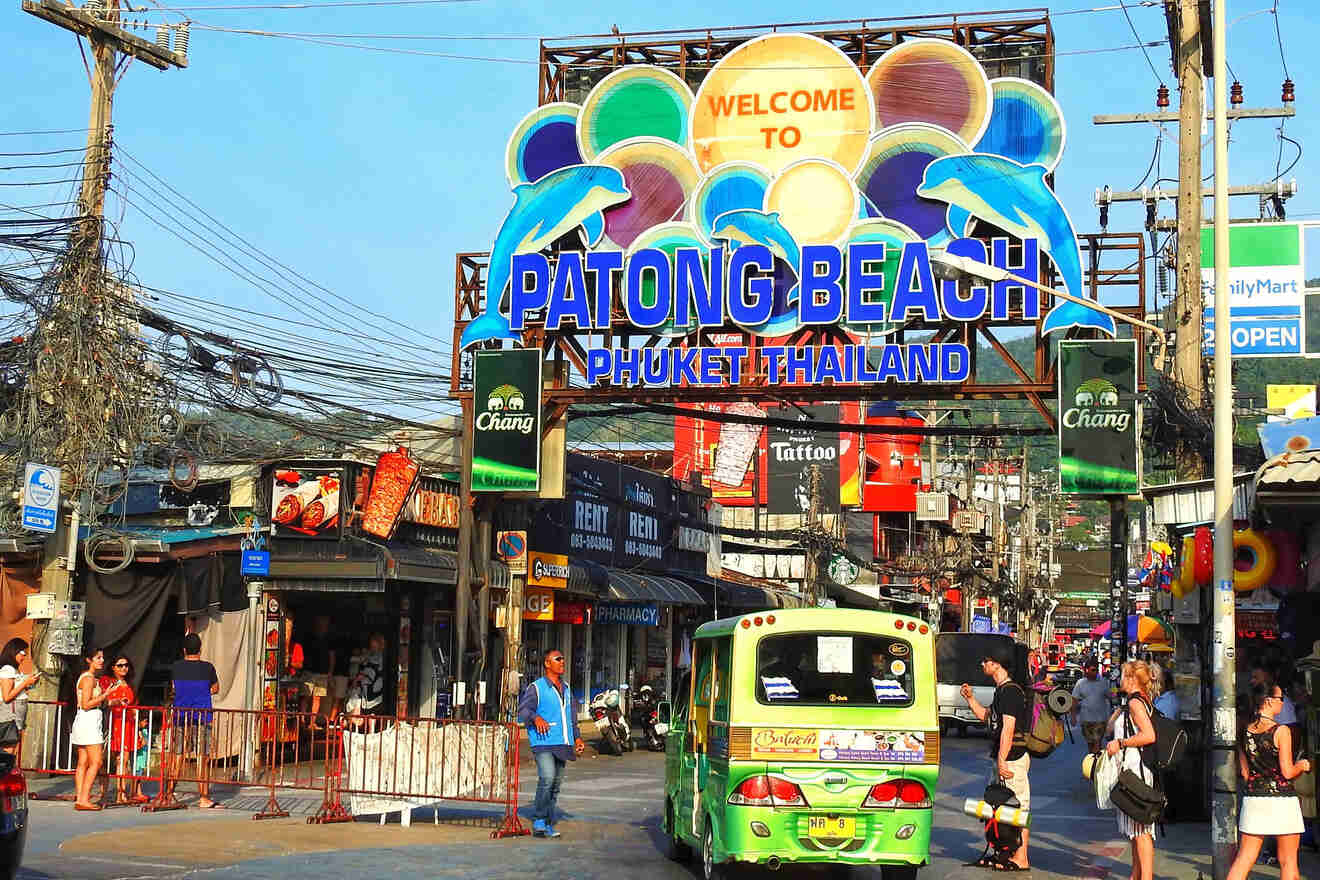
{"x": 1157, "y": 568}
{"x": 1204, "y": 557}
{"x": 1185, "y": 582}
{"x": 685, "y": 652}
{"x": 1288, "y": 561}
{"x": 1256, "y": 560}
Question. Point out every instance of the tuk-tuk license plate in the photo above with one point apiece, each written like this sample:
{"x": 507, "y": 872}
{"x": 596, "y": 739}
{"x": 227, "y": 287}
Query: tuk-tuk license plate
{"x": 831, "y": 827}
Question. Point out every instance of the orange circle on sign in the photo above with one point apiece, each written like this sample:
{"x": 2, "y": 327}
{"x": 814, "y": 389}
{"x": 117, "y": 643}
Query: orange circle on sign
{"x": 779, "y": 99}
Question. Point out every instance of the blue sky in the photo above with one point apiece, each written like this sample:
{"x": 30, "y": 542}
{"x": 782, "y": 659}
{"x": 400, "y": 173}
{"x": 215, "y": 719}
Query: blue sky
{"x": 367, "y": 171}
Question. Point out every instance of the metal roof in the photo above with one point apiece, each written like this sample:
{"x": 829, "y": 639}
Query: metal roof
{"x": 1290, "y": 472}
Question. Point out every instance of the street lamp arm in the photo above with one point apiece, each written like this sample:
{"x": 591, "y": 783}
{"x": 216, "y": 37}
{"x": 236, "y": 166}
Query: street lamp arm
{"x": 995, "y": 273}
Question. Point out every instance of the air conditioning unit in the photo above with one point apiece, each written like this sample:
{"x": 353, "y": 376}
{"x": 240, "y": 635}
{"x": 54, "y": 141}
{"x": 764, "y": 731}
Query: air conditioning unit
{"x": 932, "y": 507}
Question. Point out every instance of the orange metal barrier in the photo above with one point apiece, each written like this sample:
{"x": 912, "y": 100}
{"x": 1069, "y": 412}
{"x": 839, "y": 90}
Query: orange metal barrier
{"x": 359, "y": 765}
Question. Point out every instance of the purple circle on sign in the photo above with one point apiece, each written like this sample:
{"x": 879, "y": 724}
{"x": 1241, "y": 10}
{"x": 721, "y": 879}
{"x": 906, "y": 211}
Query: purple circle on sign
{"x": 892, "y": 190}
{"x": 549, "y": 148}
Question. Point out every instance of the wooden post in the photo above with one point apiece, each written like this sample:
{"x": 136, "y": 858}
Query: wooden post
{"x": 1187, "y": 315}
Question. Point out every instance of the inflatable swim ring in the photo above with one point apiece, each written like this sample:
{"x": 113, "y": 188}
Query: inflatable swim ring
{"x": 1185, "y": 583}
{"x": 1254, "y": 560}
{"x": 1204, "y": 559}
{"x": 1288, "y": 561}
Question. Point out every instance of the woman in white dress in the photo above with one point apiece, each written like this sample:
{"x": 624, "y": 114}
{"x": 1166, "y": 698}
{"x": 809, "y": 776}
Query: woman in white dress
{"x": 1134, "y": 730}
{"x": 1270, "y": 807}
{"x": 88, "y": 732}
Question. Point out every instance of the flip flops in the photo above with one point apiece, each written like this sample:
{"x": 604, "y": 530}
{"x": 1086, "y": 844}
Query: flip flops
{"x": 996, "y": 864}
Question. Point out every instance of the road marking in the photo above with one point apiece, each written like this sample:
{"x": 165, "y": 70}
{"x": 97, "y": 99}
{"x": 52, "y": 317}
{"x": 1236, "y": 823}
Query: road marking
{"x": 172, "y": 866}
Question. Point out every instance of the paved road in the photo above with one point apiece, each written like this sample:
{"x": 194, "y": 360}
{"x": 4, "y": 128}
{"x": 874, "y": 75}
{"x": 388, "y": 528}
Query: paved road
{"x": 611, "y": 824}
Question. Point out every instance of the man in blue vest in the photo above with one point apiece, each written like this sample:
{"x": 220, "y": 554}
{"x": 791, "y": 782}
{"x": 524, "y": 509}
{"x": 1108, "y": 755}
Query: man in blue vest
{"x": 547, "y": 709}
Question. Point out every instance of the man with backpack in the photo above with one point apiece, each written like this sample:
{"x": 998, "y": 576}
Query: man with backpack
{"x": 1008, "y": 717}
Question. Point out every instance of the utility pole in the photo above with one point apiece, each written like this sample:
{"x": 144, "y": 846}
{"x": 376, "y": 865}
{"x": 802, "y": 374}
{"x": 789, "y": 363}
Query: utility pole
{"x": 1224, "y": 776}
{"x": 1027, "y": 566}
{"x": 100, "y": 25}
{"x": 810, "y": 573}
{"x": 1188, "y": 307}
{"x": 998, "y": 539}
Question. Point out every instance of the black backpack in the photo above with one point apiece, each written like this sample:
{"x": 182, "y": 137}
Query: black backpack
{"x": 1170, "y": 741}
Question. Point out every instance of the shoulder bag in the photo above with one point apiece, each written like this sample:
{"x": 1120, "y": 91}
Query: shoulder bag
{"x": 1135, "y": 798}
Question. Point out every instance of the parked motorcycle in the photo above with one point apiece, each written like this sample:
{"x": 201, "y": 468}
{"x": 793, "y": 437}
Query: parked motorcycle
{"x": 615, "y": 735}
{"x": 644, "y": 713}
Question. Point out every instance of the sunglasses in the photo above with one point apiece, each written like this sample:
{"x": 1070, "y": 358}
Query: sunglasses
{"x": 554, "y": 659}
{"x": 121, "y": 665}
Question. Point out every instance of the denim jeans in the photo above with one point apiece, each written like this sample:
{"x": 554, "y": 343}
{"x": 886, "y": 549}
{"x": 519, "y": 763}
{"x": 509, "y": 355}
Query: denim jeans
{"x": 549, "y": 776}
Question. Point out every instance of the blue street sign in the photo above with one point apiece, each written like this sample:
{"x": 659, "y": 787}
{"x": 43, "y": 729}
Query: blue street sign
{"x": 255, "y": 562}
{"x": 41, "y": 498}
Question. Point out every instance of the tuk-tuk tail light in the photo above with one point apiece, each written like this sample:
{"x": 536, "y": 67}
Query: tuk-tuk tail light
{"x": 767, "y": 791}
{"x": 903, "y": 794}
{"x": 746, "y": 624}
{"x": 770, "y": 619}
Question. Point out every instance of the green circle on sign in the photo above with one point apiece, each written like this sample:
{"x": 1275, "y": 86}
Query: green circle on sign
{"x": 639, "y": 101}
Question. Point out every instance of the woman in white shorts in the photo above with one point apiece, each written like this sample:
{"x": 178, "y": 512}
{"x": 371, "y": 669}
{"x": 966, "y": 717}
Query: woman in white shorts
{"x": 87, "y": 732}
{"x": 1270, "y": 807}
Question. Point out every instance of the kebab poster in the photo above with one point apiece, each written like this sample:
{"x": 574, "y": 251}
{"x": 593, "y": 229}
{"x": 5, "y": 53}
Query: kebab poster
{"x": 305, "y": 503}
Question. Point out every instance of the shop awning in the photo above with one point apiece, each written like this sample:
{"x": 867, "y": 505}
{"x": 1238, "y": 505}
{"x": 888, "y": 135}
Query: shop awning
{"x": 326, "y": 569}
{"x": 753, "y": 598}
{"x": 636, "y": 587}
{"x": 1290, "y": 480}
{"x": 851, "y": 598}
{"x": 327, "y": 585}
{"x": 421, "y": 564}
{"x": 498, "y": 576}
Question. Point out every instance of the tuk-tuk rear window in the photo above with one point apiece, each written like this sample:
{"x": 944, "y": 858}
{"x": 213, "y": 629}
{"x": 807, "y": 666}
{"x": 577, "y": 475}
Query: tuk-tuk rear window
{"x": 834, "y": 669}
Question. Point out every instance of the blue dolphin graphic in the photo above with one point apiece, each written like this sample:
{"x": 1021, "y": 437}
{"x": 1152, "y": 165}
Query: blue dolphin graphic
{"x": 1014, "y": 197}
{"x": 542, "y": 212}
{"x": 749, "y": 226}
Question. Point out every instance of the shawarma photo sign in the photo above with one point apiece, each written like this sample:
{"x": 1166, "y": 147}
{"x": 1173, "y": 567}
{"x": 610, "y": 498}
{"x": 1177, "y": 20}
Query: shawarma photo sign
{"x": 791, "y": 189}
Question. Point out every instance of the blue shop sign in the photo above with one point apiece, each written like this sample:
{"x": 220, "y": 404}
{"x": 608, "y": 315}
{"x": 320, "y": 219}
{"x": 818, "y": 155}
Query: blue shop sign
{"x": 255, "y": 562}
{"x": 628, "y": 613}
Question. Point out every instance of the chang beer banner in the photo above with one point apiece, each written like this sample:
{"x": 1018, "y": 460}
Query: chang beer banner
{"x": 1098, "y": 428}
{"x": 1266, "y": 288}
{"x": 792, "y": 189}
{"x": 506, "y": 403}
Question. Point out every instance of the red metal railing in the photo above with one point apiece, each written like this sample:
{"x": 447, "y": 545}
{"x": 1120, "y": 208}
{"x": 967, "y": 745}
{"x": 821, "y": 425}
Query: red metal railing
{"x": 359, "y": 765}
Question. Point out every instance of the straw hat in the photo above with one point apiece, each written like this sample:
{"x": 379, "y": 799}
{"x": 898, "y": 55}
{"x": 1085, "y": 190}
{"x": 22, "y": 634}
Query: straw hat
{"x": 1088, "y": 764}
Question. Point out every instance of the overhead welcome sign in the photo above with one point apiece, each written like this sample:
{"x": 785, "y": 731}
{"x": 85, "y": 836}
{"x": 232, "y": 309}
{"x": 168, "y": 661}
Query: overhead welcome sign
{"x": 790, "y": 190}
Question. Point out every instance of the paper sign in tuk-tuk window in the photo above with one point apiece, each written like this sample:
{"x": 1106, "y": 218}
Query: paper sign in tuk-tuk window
{"x": 834, "y": 654}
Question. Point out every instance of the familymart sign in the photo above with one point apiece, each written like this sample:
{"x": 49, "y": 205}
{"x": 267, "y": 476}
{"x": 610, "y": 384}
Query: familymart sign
{"x": 1266, "y": 288}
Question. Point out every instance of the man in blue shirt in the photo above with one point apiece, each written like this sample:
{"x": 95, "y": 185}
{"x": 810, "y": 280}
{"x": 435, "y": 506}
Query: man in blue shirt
{"x": 195, "y": 680}
{"x": 547, "y": 709}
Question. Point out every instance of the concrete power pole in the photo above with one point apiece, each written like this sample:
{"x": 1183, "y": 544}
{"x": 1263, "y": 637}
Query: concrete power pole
{"x": 108, "y": 42}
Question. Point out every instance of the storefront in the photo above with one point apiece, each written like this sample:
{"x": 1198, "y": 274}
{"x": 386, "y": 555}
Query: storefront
{"x": 370, "y": 567}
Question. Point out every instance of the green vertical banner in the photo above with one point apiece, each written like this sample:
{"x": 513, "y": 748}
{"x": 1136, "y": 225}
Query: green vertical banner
{"x": 506, "y": 407}
{"x": 1098, "y": 428}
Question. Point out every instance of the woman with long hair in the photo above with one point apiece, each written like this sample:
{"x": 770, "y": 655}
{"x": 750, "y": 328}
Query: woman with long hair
{"x": 1133, "y": 731}
{"x": 87, "y": 733}
{"x": 1270, "y": 807}
{"x": 128, "y": 754}
{"x": 14, "y": 686}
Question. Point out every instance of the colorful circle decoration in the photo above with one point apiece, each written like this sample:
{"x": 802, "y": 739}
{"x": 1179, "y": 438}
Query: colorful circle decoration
{"x": 545, "y": 141}
{"x": 660, "y": 176}
{"x": 931, "y": 81}
{"x": 641, "y": 101}
{"x": 1026, "y": 124}
{"x": 816, "y": 201}
{"x": 667, "y": 237}
{"x": 729, "y": 187}
{"x": 894, "y": 166}
{"x": 780, "y": 98}
{"x": 893, "y": 235}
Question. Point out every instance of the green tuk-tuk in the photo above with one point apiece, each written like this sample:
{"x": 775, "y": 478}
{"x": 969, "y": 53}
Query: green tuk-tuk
{"x": 804, "y": 737}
